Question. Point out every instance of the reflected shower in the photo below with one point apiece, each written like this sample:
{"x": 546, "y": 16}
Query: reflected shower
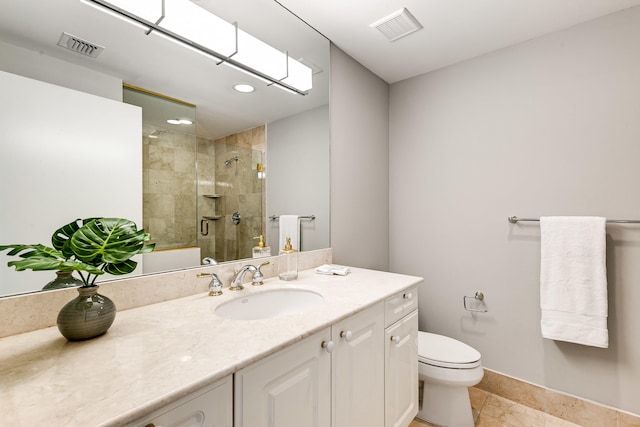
{"x": 228, "y": 162}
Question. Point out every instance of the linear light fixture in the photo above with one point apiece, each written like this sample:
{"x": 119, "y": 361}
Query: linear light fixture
{"x": 193, "y": 26}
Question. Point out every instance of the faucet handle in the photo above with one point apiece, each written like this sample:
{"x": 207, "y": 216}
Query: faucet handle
{"x": 215, "y": 286}
{"x": 258, "y": 276}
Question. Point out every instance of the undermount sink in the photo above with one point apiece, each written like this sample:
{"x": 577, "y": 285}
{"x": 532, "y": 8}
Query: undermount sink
{"x": 269, "y": 304}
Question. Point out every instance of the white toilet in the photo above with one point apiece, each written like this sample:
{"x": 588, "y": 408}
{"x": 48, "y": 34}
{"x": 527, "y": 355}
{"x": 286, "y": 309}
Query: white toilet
{"x": 447, "y": 367}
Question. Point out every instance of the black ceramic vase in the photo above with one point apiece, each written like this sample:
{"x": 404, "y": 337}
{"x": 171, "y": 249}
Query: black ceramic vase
{"x": 86, "y": 316}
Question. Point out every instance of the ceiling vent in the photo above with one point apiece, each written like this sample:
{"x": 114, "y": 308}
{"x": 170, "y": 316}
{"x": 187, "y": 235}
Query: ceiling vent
{"x": 397, "y": 25}
{"x": 80, "y": 46}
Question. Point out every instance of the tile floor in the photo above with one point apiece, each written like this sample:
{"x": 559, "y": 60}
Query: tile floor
{"x": 490, "y": 410}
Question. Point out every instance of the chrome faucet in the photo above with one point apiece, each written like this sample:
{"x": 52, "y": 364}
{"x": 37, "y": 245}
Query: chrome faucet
{"x": 238, "y": 277}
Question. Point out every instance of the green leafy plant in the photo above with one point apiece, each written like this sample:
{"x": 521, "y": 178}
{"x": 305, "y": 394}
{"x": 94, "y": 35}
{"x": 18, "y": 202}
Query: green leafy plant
{"x": 91, "y": 246}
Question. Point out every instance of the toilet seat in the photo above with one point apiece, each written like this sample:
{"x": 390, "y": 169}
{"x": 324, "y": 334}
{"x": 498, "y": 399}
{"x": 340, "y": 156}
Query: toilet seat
{"x": 445, "y": 352}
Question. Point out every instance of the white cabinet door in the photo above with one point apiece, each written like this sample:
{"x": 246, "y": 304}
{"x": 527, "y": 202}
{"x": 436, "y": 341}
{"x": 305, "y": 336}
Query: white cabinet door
{"x": 291, "y": 388}
{"x": 211, "y": 406}
{"x": 401, "y": 371}
{"x": 358, "y": 369}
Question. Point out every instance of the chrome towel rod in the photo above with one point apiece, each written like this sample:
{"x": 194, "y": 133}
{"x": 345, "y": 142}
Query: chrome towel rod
{"x": 309, "y": 217}
{"x": 514, "y": 220}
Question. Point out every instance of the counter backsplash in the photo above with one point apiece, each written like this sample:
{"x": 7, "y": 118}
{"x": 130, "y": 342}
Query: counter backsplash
{"x": 24, "y": 313}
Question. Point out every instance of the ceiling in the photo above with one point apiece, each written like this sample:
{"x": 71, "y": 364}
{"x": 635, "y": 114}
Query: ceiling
{"x": 158, "y": 65}
{"x": 454, "y": 30}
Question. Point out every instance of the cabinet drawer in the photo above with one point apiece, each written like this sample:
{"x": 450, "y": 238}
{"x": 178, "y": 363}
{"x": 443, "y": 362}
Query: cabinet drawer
{"x": 399, "y": 305}
{"x": 211, "y": 406}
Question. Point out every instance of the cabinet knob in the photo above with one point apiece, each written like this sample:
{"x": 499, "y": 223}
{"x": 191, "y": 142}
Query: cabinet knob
{"x": 347, "y": 335}
{"x": 395, "y": 339}
{"x": 408, "y": 296}
{"x": 328, "y": 346}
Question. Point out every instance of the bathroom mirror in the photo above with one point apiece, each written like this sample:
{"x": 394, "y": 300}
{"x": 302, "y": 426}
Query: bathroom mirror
{"x": 32, "y": 28}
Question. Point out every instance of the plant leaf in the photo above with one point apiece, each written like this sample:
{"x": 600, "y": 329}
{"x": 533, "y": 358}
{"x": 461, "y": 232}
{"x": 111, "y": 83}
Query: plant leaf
{"x": 25, "y": 251}
{"x": 92, "y": 245}
{"x": 110, "y": 241}
{"x": 124, "y": 267}
{"x": 40, "y": 257}
{"x": 61, "y": 237}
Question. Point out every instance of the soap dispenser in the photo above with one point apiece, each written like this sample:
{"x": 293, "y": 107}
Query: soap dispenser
{"x": 288, "y": 262}
{"x": 261, "y": 250}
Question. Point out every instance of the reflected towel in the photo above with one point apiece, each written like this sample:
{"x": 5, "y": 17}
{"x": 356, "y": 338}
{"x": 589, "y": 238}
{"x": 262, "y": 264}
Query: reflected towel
{"x": 573, "y": 280}
{"x": 290, "y": 227}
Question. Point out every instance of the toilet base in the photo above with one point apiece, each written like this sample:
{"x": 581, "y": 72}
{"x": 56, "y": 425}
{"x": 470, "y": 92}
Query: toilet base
{"x": 445, "y": 406}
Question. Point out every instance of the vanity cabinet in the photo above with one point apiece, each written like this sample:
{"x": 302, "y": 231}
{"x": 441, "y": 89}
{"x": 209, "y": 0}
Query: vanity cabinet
{"x": 358, "y": 369}
{"x": 291, "y": 388}
{"x": 334, "y": 378}
{"x": 212, "y": 406}
{"x": 401, "y": 358}
{"x": 361, "y": 371}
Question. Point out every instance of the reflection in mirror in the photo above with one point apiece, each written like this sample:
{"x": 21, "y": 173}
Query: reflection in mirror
{"x": 168, "y": 168}
{"x": 230, "y": 194}
{"x": 225, "y": 119}
{"x": 200, "y": 195}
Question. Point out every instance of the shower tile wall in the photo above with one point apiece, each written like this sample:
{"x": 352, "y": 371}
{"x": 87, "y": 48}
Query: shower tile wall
{"x": 239, "y": 189}
{"x": 169, "y": 190}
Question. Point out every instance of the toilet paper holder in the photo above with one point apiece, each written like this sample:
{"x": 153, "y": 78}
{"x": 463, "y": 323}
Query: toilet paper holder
{"x": 479, "y": 298}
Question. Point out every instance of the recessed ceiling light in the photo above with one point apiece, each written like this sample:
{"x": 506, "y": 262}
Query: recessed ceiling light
{"x": 179, "y": 122}
{"x": 244, "y": 88}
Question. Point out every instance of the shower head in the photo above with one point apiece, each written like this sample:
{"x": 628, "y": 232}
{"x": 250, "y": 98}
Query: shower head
{"x": 228, "y": 162}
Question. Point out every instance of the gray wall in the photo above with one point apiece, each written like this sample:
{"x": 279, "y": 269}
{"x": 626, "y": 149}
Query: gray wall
{"x": 300, "y": 187}
{"x": 547, "y": 127}
{"x": 359, "y": 164}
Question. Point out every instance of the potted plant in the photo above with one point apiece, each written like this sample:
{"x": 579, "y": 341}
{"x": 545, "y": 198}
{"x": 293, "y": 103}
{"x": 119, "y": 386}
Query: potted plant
{"x": 91, "y": 247}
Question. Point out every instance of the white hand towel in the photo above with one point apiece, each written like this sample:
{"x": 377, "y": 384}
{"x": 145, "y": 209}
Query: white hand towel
{"x": 573, "y": 280}
{"x": 290, "y": 227}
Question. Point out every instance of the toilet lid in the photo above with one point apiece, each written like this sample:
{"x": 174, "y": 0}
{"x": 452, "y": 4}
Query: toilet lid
{"x": 446, "y": 352}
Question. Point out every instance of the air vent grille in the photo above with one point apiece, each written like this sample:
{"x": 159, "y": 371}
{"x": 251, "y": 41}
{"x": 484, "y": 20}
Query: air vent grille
{"x": 79, "y": 45}
{"x": 397, "y": 25}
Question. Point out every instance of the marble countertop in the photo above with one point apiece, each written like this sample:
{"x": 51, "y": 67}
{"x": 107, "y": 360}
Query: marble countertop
{"x": 156, "y": 354}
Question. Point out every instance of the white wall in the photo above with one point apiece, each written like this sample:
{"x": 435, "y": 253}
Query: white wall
{"x": 547, "y": 127}
{"x": 25, "y": 62}
{"x": 359, "y": 164}
{"x": 65, "y": 155}
{"x": 300, "y": 187}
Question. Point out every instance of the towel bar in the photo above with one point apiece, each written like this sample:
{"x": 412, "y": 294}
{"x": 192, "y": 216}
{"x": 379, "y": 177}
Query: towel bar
{"x": 309, "y": 217}
{"x": 514, "y": 220}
